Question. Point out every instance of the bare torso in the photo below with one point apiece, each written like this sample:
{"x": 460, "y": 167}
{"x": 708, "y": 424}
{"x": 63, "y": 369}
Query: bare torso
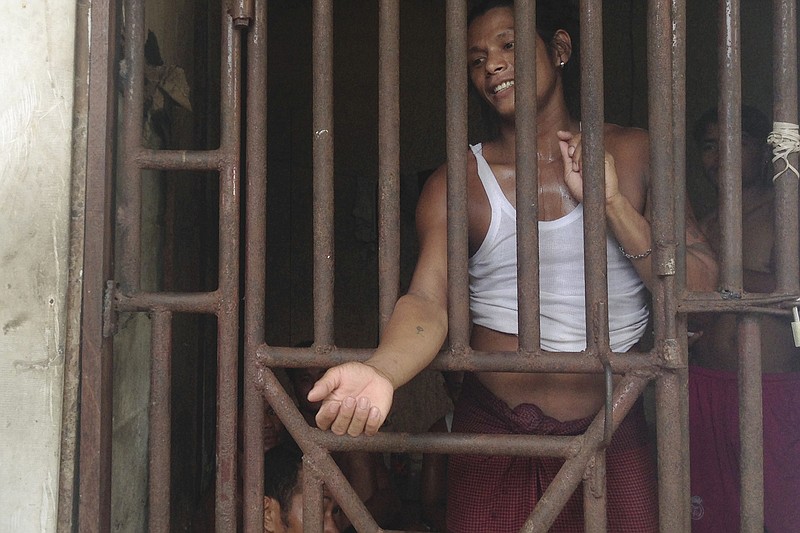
{"x": 561, "y": 396}
{"x": 717, "y": 346}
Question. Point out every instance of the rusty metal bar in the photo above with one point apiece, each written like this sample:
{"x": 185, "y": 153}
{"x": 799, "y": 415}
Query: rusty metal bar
{"x": 160, "y": 421}
{"x": 477, "y": 361}
{"x": 785, "y": 110}
{"x": 255, "y": 269}
{"x": 179, "y": 302}
{"x": 527, "y": 171}
{"x": 594, "y": 227}
{"x": 730, "y": 145}
{"x": 129, "y": 185}
{"x": 322, "y": 64}
{"x": 679, "y": 137}
{"x": 676, "y": 285}
{"x": 456, "y": 118}
{"x": 228, "y": 311}
{"x": 388, "y": 158}
{"x": 313, "y": 509}
{"x": 571, "y": 474}
{"x": 594, "y": 495}
{"x": 70, "y": 421}
{"x": 210, "y": 160}
{"x": 94, "y": 506}
{"x": 452, "y": 443}
{"x": 672, "y": 451}
{"x": 760, "y": 303}
{"x": 751, "y": 424}
{"x": 672, "y": 479}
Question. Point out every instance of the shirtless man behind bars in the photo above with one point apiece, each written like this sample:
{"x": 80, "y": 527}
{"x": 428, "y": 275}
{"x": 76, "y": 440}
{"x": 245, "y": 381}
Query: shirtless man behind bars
{"x": 713, "y": 385}
{"x": 497, "y": 493}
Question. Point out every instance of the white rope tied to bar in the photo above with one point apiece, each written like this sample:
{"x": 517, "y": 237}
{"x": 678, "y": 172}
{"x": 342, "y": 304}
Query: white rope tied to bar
{"x": 785, "y": 140}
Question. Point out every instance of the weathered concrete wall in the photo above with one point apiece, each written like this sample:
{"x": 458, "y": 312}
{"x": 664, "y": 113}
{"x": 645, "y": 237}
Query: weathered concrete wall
{"x": 36, "y": 54}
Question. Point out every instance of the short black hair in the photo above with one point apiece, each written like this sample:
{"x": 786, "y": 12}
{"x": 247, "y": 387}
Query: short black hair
{"x": 551, "y": 16}
{"x": 282, "y": 466}
{"x": 754, "y": 123}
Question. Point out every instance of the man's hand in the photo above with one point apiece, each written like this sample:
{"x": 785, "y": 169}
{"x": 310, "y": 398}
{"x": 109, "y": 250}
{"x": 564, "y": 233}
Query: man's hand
{"x": 356, "y": 399}
{"x": 571, "y": 154}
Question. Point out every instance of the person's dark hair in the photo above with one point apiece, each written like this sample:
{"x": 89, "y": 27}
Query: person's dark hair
{"x": 754, "y": 123}
{"x": 282, "y": 466}
{"x": 551, "y": 16}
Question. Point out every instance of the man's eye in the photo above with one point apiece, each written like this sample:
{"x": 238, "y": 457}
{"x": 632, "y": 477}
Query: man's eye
{"x": 509, "y": 46}
{"x": 476, "y": 62}
{"x": 708, "y": 147}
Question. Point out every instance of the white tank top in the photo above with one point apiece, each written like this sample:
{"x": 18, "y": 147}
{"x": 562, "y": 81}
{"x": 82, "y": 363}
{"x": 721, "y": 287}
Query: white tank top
{"x": 493, "y": 278}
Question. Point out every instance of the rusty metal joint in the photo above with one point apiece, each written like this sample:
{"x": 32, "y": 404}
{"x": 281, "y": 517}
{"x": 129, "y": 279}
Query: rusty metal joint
{"x": 671, "y": 354}
{"x": 730, "y": 295}
{"x": 592, "y": 477}
{"x": 664, "y": 258}
{"x": 459, "y": 350}
{"x": 109, "y": 313}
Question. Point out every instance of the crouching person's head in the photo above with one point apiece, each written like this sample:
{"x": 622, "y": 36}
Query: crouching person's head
{"x": 283, "y": 493}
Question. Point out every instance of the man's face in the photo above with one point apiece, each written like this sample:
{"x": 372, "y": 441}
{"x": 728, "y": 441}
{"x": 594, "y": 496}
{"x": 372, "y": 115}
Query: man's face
{"x": 330, "y": 508}
{"x": 273, "y": 519}
{"x": 490, "y": 61}
{"x": 273, "y": 428}
{"x": 753, "y": 156}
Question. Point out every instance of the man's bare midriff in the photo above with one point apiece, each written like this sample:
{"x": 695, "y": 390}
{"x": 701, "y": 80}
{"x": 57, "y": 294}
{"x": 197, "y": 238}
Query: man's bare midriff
{"x": 561, "y": 396}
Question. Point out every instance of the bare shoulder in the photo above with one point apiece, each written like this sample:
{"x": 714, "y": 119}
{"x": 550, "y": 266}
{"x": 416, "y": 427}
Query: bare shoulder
{"x": 627, "y": 141}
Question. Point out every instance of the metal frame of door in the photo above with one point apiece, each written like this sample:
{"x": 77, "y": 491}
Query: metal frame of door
{"x": 245, "y": 21}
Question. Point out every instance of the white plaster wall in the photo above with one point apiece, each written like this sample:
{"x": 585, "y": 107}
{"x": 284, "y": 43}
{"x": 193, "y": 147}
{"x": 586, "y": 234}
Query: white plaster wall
{"x": 36, "y": 84}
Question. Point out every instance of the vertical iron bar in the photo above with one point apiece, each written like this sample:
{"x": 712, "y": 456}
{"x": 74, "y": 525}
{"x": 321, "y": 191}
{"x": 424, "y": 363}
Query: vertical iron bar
{"x": 527, "y": 175}
{"x": 456, "y": 119}
{"x": 679, "y": 136}
{"x": 228, "y": 292}
{"x": 673, "y": 492}
{"x": 680, "y": 203}
{"x": 313, "y": 509}
{"x": 129, "y": 206}
{"x": 594, "y": 227}
{"x": 70, "y": 421}
{"x": 730, "y": 144}
{"x": 322, "y": 64}
{"x": 94, "y": 506}
{"x": 751, "y": 425}
{"x": 785, "y": 110}
{"x": 255, "y": 267}
{"x": 389, "y": 158}
{"x": 594, "y": 495}
{"x": 159, "y": 439}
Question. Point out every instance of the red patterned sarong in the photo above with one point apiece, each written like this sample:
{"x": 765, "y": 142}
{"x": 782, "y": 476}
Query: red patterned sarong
{"x": 714, "y": 447}
{"x": 497, "y": 494}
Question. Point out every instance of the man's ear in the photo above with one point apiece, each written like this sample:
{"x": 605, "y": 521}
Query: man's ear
{"x": 562, "y": 46}
{"x": 273, "y": 523}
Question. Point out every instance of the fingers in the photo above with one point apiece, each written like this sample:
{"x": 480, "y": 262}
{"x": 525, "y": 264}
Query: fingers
{"x": 355, "y": 417}
{"x": 327, "y": 414}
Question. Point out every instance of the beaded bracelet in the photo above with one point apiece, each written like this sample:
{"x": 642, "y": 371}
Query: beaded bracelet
{"x": 636, "y": 256}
